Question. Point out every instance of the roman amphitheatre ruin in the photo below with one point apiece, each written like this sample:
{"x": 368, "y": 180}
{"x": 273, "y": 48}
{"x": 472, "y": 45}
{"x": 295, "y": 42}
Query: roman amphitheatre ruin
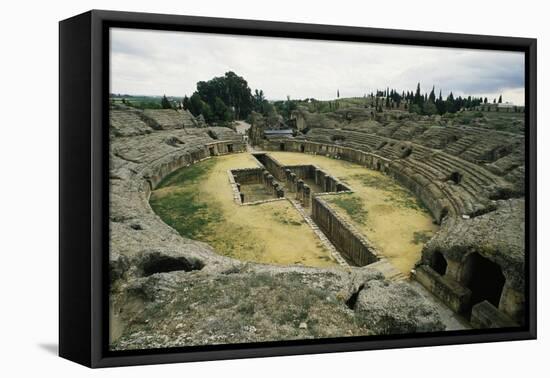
{"x": 357, "y": 223}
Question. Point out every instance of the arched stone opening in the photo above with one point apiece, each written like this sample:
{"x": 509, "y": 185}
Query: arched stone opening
{"x": 282, "y": 146}
{"x": 405, "y": 152}
{"x": 302, "y": 148}
{"x": 160, "y": 263}
{"x": 455, "y": 177}
{"x": 443, "y": 214}
{"x": 439, "y": 263}
{"x": 484, "y": 278}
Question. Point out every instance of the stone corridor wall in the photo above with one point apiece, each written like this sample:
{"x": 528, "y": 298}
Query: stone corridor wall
{"x": 354, "y": 247}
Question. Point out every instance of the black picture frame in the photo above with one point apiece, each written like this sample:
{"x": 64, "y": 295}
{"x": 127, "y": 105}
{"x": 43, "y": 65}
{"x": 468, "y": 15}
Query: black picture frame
{"x": 84, "y": 186}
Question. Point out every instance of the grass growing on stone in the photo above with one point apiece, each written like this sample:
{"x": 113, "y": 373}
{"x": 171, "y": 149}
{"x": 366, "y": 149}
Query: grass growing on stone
{"x": 422, "y": 237}
{"x": 247, "y": 306}
{"x": 353, "y": 206}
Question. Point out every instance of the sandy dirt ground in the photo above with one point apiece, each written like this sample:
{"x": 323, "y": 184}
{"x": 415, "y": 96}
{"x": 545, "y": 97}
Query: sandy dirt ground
{"x": 393, "y": 219}
{"x": 271, "y": 233}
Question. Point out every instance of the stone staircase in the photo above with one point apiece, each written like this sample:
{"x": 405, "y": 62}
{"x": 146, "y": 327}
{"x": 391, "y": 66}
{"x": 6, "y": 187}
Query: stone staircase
{"x": 389, "y": 271}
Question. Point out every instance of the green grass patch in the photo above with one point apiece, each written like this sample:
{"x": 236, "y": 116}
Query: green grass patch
{"x": 178, "y": 203}
{"x": 352, "y": 206}
{"x": 283, "y": 218}
{"x": 397, "y": 194}
{"x": 187, "y": 175}
{"x": 377, "y": 182}
{"x": 180, "y": 207}
{"x": 182, "y": 210}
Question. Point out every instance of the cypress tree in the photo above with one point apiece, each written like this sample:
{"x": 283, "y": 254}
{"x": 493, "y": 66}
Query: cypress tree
{"x": 165, "y": 103}
{"x": 418, "y": 99}
{"x": 432, "y": 95}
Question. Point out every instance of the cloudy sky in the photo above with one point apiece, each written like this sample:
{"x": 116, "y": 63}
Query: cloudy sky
{"x": 145, "y": 62}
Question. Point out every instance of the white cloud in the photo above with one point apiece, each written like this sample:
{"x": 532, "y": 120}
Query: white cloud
{"x": 158, "y": 62}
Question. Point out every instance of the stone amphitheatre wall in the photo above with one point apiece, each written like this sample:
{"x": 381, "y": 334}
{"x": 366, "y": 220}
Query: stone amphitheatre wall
{"x": 151, "y": 264}
{"x": 471, "y": 180}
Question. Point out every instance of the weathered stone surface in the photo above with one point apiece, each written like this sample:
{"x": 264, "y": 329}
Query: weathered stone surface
{"x": 253, "y": 303}
{"x": 395, "y": 308}
{"x": 470, "y": 177}
{"x": 168, "y": 119}
{"x": 485, "y": 315}
{"x": 498, "y": 236}
{"x": 128, "y": 123}
{"x": 171, "y": 291}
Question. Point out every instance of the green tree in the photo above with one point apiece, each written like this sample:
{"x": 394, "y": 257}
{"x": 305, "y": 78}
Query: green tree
{"x": 500, "y": 99}
{"x": 232, "y": 89}
{"x": 429, "y": 108}
{"x": 220, "y": 111}
{"x": 260, "y": 104}
{"x": 450, "y": 106}
{"x": 418, "y": 98}
{"x": 185, "y": 102}
{"x": 432, "y": 95}
{"x": 165, "y": 103}
{"x": 197, "y": 107}
{"x": 415, "y": 108}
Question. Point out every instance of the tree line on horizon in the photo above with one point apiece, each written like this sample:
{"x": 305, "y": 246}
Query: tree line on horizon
{"x": 427, "y": 103}
{"x": 226, "y": 98}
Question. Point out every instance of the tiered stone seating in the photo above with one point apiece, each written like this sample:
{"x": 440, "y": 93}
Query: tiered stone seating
{"x": 224, "y": 133}
{"x": 472, "y": 191}
{"x": 188, "y": 119}
{"x": 388, "y": 130}
{"x": 509, "y": 162}
{"x": 461, "y": 145}
{"x": 322, "y": 135}
{"x": 159, "y": 144}
{"x": 408, "y": 132}
{"x": 354, "y": 139}
{"x": 167, "y": 119}
{"x": 438, "y": 137}
{"x": 127, "y": 123}
{"x": 488, "y": 149}
{"x": 467, "y": 186}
